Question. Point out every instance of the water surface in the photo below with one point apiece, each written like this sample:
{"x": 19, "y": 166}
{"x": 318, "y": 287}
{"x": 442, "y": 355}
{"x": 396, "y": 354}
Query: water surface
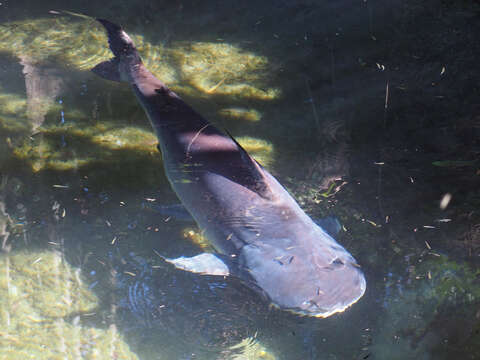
{"x": 367, "y": 111}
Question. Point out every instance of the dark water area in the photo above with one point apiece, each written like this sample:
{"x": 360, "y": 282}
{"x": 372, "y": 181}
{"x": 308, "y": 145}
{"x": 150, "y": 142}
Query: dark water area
{"x": 367, "y": 111}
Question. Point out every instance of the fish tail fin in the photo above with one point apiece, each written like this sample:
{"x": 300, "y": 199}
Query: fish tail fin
{"x": 122, "y": 47}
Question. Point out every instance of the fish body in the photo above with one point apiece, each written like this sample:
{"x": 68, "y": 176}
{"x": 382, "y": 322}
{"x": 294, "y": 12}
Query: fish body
{"x": 260, "y": 233}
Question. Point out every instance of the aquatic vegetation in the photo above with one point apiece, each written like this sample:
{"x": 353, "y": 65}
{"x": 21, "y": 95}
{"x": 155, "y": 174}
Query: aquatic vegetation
{"x": 45, "y": 39}
{"x": 196, "y": 69}
{"x": 72, "y": 146}
{"x": 248, "y": 91}
{"x": 13, "y": 112}
{"x": 197, "y": 238}
{"x": 251, "y": 349}
{"x": 12, "y": 104}
{"x": 261, "y": 150}
{"x": 43, "y": 155}
{"x": 81, "y": 45}
{"x": 471, "y": 239}
{"x": 454, "y": 163}
{"x": 436, "y": 281}
{"x": 241, "y": 114}
{"x": 5, "y": 222}
{"x": 67, "y": 147}
{"x": 223, "y": 69}
{"x": 416, "y": 304}
{"x": 39, "y": 292}
{"x": 127, "y": 138}
{"x": 448, "y": 281}
{"x": 33, "y": 277}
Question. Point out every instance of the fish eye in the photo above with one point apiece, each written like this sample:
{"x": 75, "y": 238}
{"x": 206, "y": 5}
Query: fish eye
{"x": 337, "y": 261}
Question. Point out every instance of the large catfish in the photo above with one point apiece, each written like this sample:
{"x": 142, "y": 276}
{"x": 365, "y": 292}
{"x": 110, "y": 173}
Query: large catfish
{"x": 260, "y": 233}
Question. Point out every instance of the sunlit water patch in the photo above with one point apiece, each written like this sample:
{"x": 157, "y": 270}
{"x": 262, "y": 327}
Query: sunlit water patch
{"x": 69, "y": 136}
{"x": 78, "y": 144}
{"x": 209, "y": 67}
{"x": 241, "y": 114}
{"x": 43, "y": 303}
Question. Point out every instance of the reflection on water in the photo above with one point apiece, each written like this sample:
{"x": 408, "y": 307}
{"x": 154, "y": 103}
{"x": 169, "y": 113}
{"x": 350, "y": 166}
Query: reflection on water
{"x": 207, "y": 317}
{"x": 364, "y": 113}
{"x": 42, "y": 87}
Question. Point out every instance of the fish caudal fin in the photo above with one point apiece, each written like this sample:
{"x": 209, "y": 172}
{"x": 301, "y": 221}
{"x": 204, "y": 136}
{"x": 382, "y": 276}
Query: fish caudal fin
{"x": 120, "y": 43}
{"x": 122, "y": 47}
{"x": 108, "y": 70}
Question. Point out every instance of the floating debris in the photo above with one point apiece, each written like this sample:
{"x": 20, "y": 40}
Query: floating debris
{"x": 445, "y": 201}
{"x": 61, "y": 186}
{"x": 454, "y": 163}
{"x": 250, "y": 349}
{"x": 215, "y": 87}
{"x": 373, "y": 223}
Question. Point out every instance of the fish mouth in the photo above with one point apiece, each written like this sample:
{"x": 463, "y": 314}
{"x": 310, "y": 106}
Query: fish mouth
{"x": 320, "y": 309}
{"x": 316, "y": 285}
{"x": 325, "y": 305}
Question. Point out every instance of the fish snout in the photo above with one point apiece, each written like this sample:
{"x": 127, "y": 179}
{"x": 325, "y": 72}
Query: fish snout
{"x": 343, "y": 287}
{"x": 319, "y": 283}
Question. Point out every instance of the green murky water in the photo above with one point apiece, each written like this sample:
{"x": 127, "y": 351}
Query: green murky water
{"x": 365, "y": 111}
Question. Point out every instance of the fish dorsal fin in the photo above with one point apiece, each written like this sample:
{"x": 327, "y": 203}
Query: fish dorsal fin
{"x": 255, "y": 178}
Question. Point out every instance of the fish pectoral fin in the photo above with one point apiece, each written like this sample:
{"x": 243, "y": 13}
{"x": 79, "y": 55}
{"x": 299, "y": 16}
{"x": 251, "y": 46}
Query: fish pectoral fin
{"x": 330, "y": 224}
{"x": 206, "y": 264}
{"x": 176, "y": 211}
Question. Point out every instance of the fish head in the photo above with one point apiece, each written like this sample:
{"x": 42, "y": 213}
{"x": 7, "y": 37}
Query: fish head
{"x": 318, "y": 278}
